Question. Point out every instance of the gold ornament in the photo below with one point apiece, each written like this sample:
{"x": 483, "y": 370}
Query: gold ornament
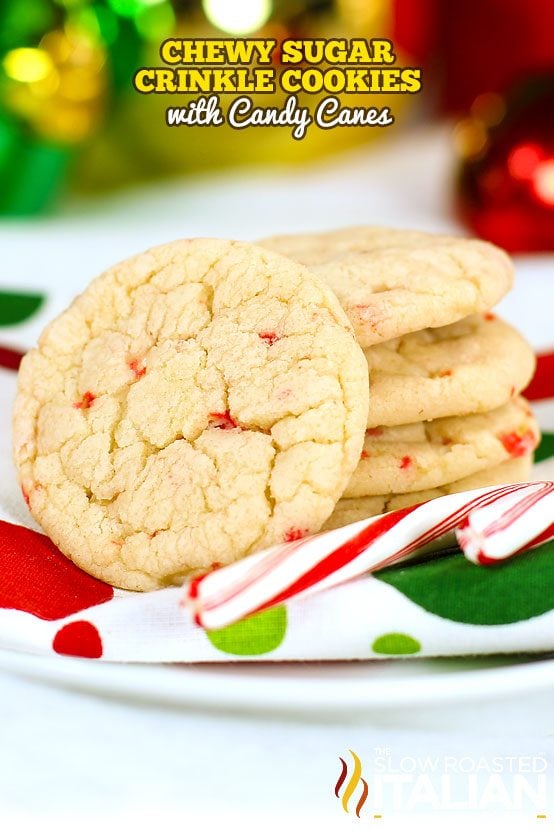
{"x": 59, "y": 88}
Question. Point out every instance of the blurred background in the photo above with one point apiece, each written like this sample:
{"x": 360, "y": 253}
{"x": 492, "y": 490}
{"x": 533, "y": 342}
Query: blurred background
{"x": 74, "y": 134}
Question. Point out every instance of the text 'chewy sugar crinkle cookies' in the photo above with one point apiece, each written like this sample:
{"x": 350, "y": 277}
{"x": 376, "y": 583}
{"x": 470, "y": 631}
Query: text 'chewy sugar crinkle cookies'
{"x": 445, "y": 373}
{"x": 198, "y": 402}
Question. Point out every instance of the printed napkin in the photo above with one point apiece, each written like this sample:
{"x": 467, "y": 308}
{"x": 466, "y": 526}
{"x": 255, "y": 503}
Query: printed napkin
{"x": 443, "y": 606}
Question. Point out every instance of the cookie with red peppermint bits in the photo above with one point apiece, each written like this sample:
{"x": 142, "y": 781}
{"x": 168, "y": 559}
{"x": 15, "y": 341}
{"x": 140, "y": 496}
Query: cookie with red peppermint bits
{"x": 351, "y": 510}
{"x": 392, "y": 282}
{"x": 472, "y": 366}
{"x": 198, "y": 402}
{"x": 416, "y": 457}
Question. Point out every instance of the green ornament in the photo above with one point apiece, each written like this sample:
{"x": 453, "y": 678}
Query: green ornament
{"x": 31, "y": 170}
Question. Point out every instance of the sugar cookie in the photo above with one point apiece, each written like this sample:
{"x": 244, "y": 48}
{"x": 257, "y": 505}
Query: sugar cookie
{"x": 352, "y": 510}
{"x": 415, "y": 457}
{"x": 472, "y": 366}
{"x": 392, "y": 282}
{"x": 197, "y": 402}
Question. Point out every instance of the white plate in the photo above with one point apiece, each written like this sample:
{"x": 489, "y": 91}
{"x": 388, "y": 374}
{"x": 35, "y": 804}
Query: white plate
{"x": 333, "y": 687}
{"x": 383, "y": 187}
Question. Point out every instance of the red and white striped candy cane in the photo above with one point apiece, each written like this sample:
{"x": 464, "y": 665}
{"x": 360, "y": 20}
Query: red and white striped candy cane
{"x": 515, "y": 522}
{"x": 319, "y": 562}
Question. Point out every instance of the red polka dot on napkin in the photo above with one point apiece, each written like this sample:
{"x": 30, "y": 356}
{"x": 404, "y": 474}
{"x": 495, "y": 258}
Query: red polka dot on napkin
{"x": 80, "y": 639}
{"x": 35, "y": 577}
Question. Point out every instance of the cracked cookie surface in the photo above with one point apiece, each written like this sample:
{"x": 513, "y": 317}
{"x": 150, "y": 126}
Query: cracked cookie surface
{"x": 415, "y": 457}
{"x": 472, "y": 366}
{"x": 392, "y": 282}
{"x": 352, "y": 510}
{"x": 198, "y": 402}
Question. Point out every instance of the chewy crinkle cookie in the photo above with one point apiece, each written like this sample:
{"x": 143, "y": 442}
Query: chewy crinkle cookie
{"x": 392, "y": 282}
{"x": 472, "y": 366}
{"x": 197, "y": 402}
{"x": 416, "y": 457}
{"x": 352, "y": 510}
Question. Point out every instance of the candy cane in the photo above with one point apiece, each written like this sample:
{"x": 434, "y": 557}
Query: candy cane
{"x": 324, "y": 560}
{"x": 514, "y": 523}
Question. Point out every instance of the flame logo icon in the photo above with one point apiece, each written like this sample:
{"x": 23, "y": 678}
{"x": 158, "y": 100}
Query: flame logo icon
{"x": 352, "y": 784}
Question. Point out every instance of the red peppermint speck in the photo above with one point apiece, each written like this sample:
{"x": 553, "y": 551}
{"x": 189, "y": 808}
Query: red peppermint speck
{"x": 222, "y": 421}
{"x": 374, "y": 432}
{"x": 518, "y": 444}
{"x": 368, "y": 315}
{"x": 364, "y": 455}
{"x": 512, "y": 392}
{"x": 86, "y": 401}
{"x": 137, "y": 368}
{"x": 489, "y": 316}
{"x": 446, "y": 441}
{"x": 294, "y": 534}
{"x": 406, "y": 462}
{"x": 25, "y": 496}
{"x": 445, "y": 373}
{"x": 282, "y": 395}
{"x": 269, "y": 337}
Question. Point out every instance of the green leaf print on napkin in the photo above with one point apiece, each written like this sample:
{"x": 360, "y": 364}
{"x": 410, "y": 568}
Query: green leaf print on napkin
{"x": 16, "y": 307}
{"x": 546, "y": 448}
{"x": 456, "y": 589}
{"x": 254, "y": 635}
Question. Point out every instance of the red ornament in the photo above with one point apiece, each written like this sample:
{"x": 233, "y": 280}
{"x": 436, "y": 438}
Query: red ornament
{"x": 542, "y": 385}
{"x": 506, "y": 179}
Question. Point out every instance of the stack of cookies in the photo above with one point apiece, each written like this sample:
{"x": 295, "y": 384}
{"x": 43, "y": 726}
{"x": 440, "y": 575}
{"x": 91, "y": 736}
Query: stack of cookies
{"x": 445, "y": 373}
{"x": 209, "y": 398}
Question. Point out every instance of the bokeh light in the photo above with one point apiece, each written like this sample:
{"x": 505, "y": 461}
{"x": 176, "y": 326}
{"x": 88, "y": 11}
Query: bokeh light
{"x": 97, "y": 22}
{"x": 543, "y": 181}
{"x": 238, "y": 18}
{"x": 156, "y": 22}
{"x": 27, "y": 65}
{"x": 489, "y": 107}
{"x": 523, "y": 160}
{"x": 470, "y": 138}
{"x": 130, "y": 8}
